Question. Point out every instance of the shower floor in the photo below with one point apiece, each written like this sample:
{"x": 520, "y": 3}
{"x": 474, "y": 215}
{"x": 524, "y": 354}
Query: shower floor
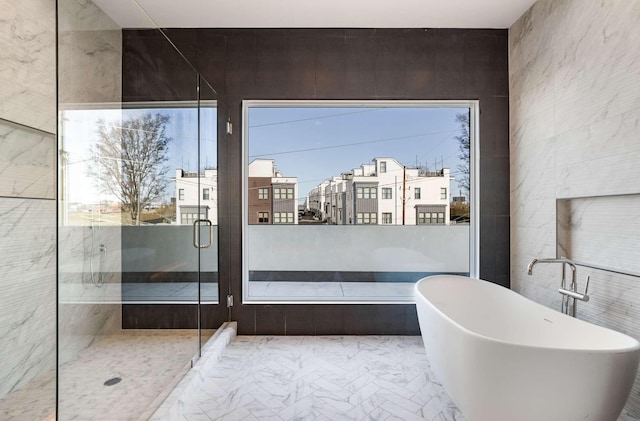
{"x": 148, "y": 362}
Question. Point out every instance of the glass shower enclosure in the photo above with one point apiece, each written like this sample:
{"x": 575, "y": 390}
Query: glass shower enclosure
{"x": 138, "y": 291}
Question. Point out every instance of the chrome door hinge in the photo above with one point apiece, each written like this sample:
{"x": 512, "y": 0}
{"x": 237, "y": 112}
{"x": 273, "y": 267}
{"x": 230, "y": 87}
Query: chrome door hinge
{"x": 229, "y": 127}
{"x": 229, "y": 301}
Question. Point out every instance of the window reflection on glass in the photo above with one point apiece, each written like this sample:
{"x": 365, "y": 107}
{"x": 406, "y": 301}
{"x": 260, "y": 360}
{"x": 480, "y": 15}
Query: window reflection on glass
{"x": 358, "y": 167}
{"x": 128, "y": 166}
{"x": 131, "y": 186}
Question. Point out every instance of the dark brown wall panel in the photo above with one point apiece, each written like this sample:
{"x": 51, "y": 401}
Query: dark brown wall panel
{"x": 364, "y": 64}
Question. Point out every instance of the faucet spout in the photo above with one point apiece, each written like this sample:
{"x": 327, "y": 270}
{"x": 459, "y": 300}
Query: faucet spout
{"x": 566, "y": 293}
{"x": 562, "y": 260}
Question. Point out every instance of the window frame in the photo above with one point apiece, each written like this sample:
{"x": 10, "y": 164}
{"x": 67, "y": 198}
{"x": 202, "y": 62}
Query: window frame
{"x": 474, "y": 191}
{"x": 278, "y": 218}
{"x": 371, "y": 217}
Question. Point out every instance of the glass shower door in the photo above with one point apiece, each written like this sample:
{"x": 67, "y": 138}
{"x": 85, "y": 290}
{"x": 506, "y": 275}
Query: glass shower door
{"x": 212, "y": 310}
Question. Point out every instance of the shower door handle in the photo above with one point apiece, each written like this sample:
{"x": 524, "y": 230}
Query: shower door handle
{"x": 196, "y": 234}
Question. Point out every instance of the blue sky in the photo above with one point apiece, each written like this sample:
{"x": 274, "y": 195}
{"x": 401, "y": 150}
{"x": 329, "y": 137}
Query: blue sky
{"x": 314, "y": 144}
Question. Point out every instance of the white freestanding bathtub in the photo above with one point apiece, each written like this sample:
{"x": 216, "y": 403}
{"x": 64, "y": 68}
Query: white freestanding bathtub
{"x": 502, "y": 357}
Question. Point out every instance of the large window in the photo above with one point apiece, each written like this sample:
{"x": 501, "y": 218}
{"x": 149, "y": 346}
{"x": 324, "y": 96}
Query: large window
{"x": 360, "y": 206}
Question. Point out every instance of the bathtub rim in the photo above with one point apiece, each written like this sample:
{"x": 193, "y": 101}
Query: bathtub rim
{"x": 634, "y": 346}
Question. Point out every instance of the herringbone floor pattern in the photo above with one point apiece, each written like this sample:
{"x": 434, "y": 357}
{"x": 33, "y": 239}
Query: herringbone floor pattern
{"x": 322, "y": 378}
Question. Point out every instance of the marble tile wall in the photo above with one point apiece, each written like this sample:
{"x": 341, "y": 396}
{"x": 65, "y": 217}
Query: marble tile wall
{"x": 27, "y": 63}
{"x": 90, "y": 74}
{"x": 27, "y": 291}
{"x": 90, "y": 55}
{"x": 27, "y": 162}
{"x": 27, "y": 193}
{"x": 98, "y": 311}
{"x": 574, "y": 68}
{"x": 91, "y": 67}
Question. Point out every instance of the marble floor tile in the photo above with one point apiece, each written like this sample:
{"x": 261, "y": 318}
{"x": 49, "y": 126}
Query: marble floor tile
{"x": 321, "y": 378}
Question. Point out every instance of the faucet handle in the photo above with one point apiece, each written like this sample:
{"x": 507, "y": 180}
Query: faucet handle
{"x": 586, "y": 287}
{"x": 575, "y": 294}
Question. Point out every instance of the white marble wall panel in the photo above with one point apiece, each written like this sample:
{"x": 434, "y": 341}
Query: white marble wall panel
{"x": 27, "y": 291}
{"x": 90, "y": 50}
{"x": 593, "y": 224}
{"x": 79, "y": 253}
{"x": 27, "y": 162}
{"x": 91, "y": 72}
{"x": 98, "y": 275}
{"x": 27, "y": 63}
{"x": 574, "y": 68}
{"x": 81, "y": 324}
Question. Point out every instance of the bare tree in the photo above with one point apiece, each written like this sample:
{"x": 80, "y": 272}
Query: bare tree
{"x": 464, "y": 147}
{"x": 129, "y": 161}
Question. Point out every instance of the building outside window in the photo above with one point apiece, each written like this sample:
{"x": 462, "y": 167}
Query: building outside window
{"x": 191, "y": 190}
{"x": 263, "y": 193}
{"x": 443, "y": 193}
{"x": 386, "y": 192}
{"x": 366, "y": 218}
{"x": 283, "y": 193}
{"x": 417, "y": 193}
{"x": 190, "y": 218}
{"x": 383, "y": 166}
{"x": 263, "y": 217}
{"x": 387, "y": 218}
{"x": 366, "y": 193}
{"x": 425, "y": 218}
{"x": 190, "y": 214}
{"x": 283, "y": 217}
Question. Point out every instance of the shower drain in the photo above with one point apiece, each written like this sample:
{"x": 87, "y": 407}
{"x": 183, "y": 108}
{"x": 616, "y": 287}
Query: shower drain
{"x": 112, "y": 381}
